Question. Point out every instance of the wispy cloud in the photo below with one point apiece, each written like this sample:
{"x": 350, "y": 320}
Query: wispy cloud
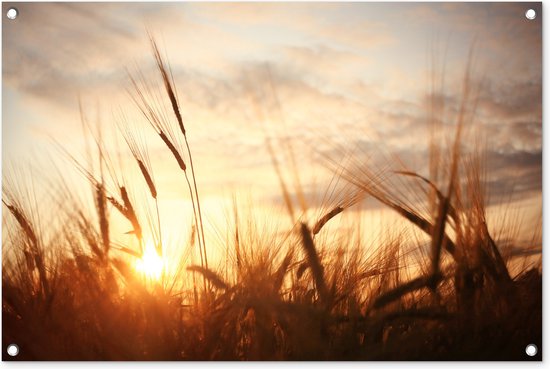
{"x": 354, "y": 71}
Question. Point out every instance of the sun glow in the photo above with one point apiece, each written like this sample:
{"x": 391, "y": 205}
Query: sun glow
{"x": 151, "y": 264}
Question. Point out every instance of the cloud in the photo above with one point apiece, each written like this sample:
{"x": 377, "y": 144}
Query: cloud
{"x": 515, "y": 175}
{"x": 512, "y": 100}
{"x": 322, "y": 74}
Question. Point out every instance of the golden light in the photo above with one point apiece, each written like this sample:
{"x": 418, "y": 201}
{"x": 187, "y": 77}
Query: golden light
{"x": 151, "y": 264}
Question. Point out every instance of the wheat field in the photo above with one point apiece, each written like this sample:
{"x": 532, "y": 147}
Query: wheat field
{"x": 302, "y": 292}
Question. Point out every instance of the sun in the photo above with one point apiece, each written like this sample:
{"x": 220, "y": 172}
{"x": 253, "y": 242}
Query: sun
{"x": 150, "y": 264}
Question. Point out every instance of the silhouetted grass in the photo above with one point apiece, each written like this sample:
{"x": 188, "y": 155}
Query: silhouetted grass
{"x": 283, "y": 294}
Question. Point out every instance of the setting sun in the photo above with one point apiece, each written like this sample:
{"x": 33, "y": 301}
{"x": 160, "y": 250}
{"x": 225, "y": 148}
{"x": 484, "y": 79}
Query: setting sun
{"x": 151, "y": 264}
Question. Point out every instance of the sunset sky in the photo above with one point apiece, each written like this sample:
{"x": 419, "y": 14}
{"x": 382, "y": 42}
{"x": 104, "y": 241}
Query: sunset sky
{"x": 322, "y": 73}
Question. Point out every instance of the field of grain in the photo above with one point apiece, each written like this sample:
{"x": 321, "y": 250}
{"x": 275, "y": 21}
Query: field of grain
{"x": 306, "y": 289}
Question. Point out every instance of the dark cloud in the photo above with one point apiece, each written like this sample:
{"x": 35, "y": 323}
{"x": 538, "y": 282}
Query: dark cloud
{"x": 508, "y": 175}
{"x": 515, "y": 174}
{"x": 512, "y": 100}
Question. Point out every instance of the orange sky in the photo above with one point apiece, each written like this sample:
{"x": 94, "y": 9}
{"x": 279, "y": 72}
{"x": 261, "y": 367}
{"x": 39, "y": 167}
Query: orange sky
{"x": 353, "y": 74}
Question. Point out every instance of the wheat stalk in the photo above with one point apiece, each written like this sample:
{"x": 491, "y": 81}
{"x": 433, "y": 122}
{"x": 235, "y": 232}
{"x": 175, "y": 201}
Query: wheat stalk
{"x": 156, "y": 117}
{"x": 172, "y": 95}
{"x": 314, "y": 263}
{"x": 214, "y": 278}
{"x": 103, "y": 217}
